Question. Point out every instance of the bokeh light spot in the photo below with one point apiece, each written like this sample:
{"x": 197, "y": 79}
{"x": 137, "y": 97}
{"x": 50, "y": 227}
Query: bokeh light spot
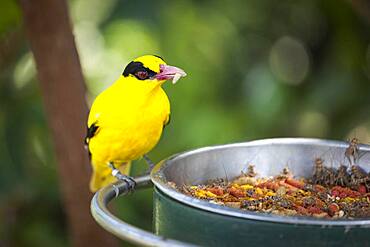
{"x": 24, "y": 71}
{"x": 313, "y": 124}
{"x": 361, "y": 132}
{"x": 289, "y": 60}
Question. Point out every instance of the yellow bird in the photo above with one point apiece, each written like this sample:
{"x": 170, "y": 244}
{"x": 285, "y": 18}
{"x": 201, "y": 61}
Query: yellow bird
{"x": 126, "y": 120}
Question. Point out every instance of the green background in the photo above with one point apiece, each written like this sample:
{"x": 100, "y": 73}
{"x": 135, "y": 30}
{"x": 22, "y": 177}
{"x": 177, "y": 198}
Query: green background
{"x": 256, "y": 69}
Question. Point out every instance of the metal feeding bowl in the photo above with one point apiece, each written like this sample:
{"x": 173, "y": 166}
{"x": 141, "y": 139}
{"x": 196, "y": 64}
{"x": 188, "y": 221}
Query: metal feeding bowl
{"x": 192, "y": 221}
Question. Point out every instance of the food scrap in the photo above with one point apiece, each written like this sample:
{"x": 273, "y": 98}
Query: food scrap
{"x": 329, "y": 193}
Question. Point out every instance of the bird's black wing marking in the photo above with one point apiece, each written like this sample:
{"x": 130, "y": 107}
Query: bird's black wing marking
{"x": 91, "y": 131}
{"x": 168, "y": 121}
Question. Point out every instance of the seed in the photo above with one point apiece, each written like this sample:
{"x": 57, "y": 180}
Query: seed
{"x": 341, "y": 213}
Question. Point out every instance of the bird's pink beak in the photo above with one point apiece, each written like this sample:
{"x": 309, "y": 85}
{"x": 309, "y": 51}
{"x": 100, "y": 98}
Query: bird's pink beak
{"x": 167, "y": 72}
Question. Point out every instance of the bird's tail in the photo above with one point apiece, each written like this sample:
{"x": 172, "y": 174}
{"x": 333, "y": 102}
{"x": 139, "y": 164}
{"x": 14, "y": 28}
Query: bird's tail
{"x": 102, "y": 175}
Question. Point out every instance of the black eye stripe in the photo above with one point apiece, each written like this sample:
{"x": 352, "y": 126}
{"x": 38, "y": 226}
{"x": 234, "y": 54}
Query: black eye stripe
{"x": 134, "y": 67}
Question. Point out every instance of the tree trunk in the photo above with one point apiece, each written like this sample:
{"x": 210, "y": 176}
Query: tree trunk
{"x": 48, "y": 28}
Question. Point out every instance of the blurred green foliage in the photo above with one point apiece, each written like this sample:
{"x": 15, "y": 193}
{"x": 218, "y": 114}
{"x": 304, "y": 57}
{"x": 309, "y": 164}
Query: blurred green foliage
{"x": 255, "y": 69}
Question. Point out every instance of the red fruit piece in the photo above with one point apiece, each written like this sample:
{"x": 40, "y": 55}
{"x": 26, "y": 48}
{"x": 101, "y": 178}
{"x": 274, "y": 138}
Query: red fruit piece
{"x": 362, "y": 189}
{"x": 343, "y": 195}
{"x": 314, "y": 210}
{"x": 319, "y": 188}
{"x": 333, "y": 208}
{"x": 216, "y": 190}
{"x": 237, "y": 192}
{"x": 269, "y": 185}
{"x": 344, "y": 192}
{"x": 296, "y": 183}
{"x": 335, "y": 193}
{"x": 319, "y": 203}
{"x": 288, "y": 186}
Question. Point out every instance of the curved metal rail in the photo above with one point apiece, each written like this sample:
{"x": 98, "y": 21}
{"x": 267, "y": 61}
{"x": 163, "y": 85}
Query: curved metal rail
{"x": 120, "y": 228}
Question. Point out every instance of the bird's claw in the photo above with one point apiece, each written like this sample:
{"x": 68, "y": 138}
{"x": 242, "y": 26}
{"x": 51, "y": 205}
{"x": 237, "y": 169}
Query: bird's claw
{"x": 131, "y": 184}
{"x": 150, "y": 164}
{"x": 116, "y": 190}
{"x": 128, "y": 180}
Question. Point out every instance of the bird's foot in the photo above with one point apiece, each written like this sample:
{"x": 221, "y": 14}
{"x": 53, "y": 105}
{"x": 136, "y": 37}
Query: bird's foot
{"x": 128, "y": 180}
{"x": 150, "y": 164}
{"x": 124, "y": 178}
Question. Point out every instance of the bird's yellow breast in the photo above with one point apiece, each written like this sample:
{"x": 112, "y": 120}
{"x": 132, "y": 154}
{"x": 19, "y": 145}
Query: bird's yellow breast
{"x": 130, "y": 116}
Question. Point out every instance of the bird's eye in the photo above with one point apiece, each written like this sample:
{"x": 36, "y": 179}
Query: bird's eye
{"x": 142, "y": 75}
